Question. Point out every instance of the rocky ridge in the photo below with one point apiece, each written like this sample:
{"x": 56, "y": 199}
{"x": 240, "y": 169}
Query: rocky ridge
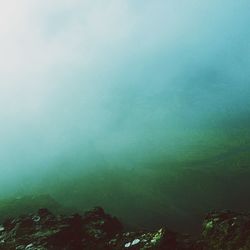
{"x": 96, "y": 230}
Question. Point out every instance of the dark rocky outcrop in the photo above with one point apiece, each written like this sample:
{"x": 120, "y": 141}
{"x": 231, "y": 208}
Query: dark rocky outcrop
{"x": 226, "y": 230}
{"x": 96, "y": 230}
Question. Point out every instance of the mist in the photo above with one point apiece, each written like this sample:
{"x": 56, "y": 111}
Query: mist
{"x": 122, "y": 89}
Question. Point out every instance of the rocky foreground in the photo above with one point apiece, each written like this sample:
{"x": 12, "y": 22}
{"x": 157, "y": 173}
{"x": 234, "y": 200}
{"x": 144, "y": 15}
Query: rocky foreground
{"x": 98, "y": 230}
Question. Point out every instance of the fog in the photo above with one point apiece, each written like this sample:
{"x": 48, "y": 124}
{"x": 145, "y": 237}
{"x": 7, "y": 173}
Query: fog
{"x": 114, "y": 85}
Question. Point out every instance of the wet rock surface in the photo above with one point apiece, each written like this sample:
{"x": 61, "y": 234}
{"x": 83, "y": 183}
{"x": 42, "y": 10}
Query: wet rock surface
{"x": 97, "y": 230}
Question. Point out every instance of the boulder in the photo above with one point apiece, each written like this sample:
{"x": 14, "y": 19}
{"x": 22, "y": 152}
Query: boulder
{"x": 226, "y": 230}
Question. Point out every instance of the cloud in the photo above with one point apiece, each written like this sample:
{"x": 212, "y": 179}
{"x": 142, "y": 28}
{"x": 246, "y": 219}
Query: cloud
{"x": 123, "y": 77}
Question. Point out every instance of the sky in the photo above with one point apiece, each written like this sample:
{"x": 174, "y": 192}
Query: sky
{"x": 117, "y": 81}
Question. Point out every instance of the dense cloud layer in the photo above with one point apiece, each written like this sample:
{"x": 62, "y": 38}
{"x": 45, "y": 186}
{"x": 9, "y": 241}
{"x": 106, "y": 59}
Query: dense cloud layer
{"x": 116, "y": 82}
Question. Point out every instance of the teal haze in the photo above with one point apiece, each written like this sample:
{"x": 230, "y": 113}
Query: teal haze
{"x": 141, "y": 107}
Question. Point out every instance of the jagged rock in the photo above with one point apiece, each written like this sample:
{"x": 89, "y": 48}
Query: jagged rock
{"x": 226, "y": 231}
{"x": 158, "y": 240}
{"x": 45, "y": 231}
{"x": 96, "y": 230}
{"x": 99, "y": 225}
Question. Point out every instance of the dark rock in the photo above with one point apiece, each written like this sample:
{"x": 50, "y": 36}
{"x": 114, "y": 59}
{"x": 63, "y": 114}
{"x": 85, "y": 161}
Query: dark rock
{"x": 98, "y": 225}
{"x": 226, "y": 230}
{"x": 160, "y": 240}
{"x": 43, "y": 230}
{"x": 44, "y": 212}
{"x": 97, "y": 230}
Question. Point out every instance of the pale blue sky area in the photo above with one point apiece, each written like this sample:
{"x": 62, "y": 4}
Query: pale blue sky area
{"x": 117, "y": 77}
